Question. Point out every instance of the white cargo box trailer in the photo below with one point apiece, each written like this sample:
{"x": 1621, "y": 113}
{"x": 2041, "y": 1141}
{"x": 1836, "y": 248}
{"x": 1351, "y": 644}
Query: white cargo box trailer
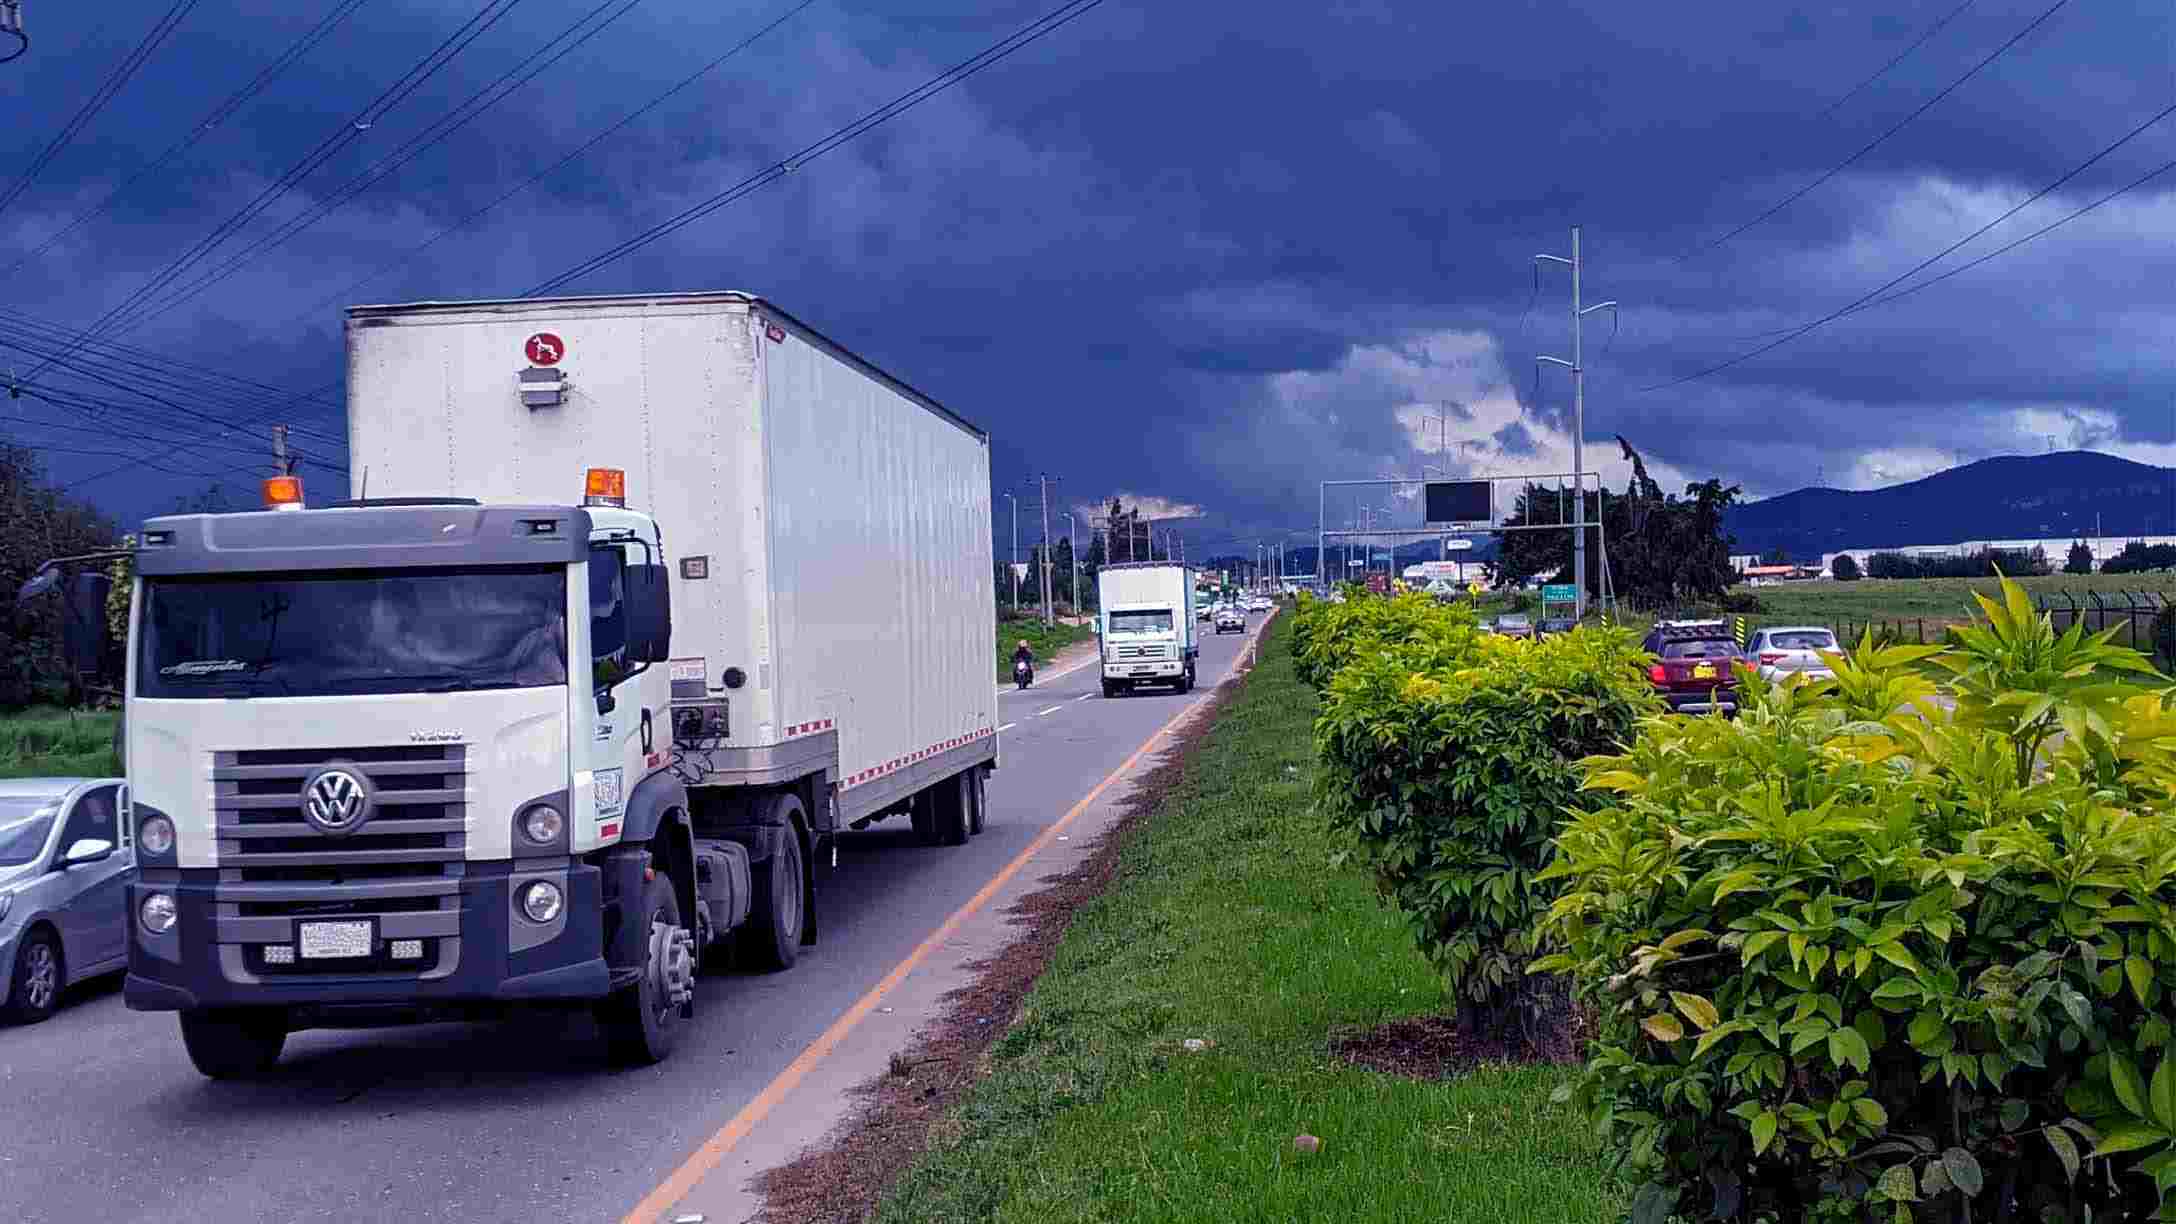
{"x": 827, "y": 528}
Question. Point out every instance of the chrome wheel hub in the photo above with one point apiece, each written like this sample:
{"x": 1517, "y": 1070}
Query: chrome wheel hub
{"x": 672, "y": 959}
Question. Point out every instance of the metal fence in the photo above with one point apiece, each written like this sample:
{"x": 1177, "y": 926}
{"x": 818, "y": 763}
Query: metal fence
{"x": 2130, "y": 613}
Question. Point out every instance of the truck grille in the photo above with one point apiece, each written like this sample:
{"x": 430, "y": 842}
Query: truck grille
{"x": 402, "y": 867}
{"x": 1141, "y": 652}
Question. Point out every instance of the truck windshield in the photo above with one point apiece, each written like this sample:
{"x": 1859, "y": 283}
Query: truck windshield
{"x": 352, "y": 631}
{"x": 1153, "y": 621}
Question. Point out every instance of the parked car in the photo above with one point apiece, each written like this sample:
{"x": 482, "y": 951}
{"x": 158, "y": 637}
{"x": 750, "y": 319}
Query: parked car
{"x": 1230, "y": 620}
{"x": 1793, "y": 651}
{"x": 1695, "y": 665}
{"x": 65, "y": 868}
{"x": 1515, "y": 625}
{"x": 1205, "y": 611}
{"x": 1558, "y": 624}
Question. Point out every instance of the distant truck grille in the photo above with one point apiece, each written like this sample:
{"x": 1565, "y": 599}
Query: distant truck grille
{"x": 402, "y": 867}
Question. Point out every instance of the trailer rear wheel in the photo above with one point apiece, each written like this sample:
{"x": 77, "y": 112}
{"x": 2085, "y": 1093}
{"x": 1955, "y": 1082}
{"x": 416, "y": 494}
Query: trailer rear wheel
{"x": 771, "y": 941}
{"x": 952, "y": 804}
{"x": 978, "y": 791}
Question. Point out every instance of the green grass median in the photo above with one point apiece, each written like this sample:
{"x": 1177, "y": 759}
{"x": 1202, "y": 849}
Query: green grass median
{"x": 1227, "y": 923}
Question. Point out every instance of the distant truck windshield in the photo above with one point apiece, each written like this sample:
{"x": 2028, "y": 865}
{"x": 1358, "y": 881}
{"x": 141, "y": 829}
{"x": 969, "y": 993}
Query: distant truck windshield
{"x": 1154, "y": 621}
{"x": 308, "y": 634}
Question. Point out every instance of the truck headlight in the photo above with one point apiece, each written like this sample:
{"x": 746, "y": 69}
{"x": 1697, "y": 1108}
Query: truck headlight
{"x": 156, "y": 835}
{"x": 543, "y": 824}
{"x": 157, "y": 913}
{"x": 541, "y": 901}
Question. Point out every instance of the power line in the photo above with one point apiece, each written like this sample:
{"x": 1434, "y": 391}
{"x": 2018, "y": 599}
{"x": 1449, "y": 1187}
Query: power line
{"x": 219, "y": 114}
{"x": 994, "y": 53}
{"x": 421, "y": 142}
{"x": 1923, "y": 264}
{"x": 392, "y": 96}
{"x": 576, "y": 154}
{"x": 105, "y": 93}
{"x": 1877, "y": 141}
{"x": 1898, "y": 58}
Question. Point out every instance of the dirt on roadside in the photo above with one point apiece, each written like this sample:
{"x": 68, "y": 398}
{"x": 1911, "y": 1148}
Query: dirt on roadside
{"x": 841, "y": 1180}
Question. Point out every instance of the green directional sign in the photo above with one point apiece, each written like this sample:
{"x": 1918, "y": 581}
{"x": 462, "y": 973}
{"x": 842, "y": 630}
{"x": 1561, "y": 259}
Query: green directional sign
{"x": 1560, "y": 592}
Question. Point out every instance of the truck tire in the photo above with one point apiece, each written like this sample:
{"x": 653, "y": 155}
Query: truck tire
{"x": 978, "y": 793}
{"x": 1109, "y": 689}
{"x": 952, "y": 803}
{"x": 771, "y": 940}
{"x": 236, "y": 1044}
{"x": 642, "y": 1022}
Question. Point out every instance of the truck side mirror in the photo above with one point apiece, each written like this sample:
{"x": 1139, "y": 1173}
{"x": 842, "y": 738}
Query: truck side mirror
{"x": 649, "y": 614}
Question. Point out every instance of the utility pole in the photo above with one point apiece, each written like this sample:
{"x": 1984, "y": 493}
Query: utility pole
{"x": 1014, "y": 572}
{"x": 1579, "y": 423}
{"x": 1050, "y": 616}
{"x": 1072, "y": 548}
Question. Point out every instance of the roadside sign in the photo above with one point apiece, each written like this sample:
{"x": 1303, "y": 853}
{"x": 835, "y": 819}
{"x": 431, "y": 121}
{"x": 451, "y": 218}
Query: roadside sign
{"x": 1458, "y": 545}
{"x": 544, "y": 349}
{"x": 1560, "y": 592}
{"x": 1474, "y": 589}
{"x": 1438, "y": 569}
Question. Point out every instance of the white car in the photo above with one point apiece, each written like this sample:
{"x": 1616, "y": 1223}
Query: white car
{"x": 1793, "y": 651}
{"x": 1230, "y": 620}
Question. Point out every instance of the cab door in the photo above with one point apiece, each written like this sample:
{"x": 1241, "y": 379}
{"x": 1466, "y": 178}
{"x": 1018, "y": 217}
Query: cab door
{"x": 634, "y": 735}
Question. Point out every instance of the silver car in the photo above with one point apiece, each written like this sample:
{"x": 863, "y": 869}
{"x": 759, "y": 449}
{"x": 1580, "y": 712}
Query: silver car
{"x": 65, "y": 867}
{"x": 1793, "y": 651}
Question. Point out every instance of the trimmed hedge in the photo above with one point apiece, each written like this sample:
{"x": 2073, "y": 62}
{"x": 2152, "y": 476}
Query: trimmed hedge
{"x": 1447, "y": 755}
{"x": 1881, "y": 951}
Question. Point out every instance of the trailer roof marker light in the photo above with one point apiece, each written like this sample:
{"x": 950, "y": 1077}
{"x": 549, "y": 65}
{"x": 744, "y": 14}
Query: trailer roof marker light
{"x": 283, "y": 492}
{"x": 604, "y": 487}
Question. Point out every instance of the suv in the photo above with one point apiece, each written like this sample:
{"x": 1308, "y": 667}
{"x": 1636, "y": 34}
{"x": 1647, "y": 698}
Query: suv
{"x": 1694, "y": 665}
{"x": 1515, "y": 625}
{"x": 1794, "y": 651}
{"x": 1230, "y": 620}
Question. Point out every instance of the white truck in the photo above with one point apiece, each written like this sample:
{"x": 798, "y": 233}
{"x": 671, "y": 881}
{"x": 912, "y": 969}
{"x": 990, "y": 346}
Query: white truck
{"x": 1146, "y": 633}
{"x": 638, "y": 604}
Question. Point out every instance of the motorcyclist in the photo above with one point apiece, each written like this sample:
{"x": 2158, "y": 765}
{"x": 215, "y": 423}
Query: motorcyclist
{"x": 1021, "y": 654}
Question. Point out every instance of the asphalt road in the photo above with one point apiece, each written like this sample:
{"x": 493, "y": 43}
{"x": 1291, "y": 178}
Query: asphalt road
{"x": 523, "y": 1120}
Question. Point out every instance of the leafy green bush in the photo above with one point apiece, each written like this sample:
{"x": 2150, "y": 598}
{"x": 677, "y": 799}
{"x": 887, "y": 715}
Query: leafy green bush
{"x": 1878, "y": 951}
{"x": 1449, "y": 759}
{"x": 1327, "y": 636}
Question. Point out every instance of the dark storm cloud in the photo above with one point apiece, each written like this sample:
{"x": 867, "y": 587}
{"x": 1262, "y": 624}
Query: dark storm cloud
{"x": 1211, "y": 253}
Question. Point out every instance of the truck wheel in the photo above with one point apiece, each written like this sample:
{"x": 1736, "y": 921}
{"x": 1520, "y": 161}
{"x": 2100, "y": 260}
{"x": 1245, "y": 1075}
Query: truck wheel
{"x": 1109, "y": 689}
{"x": 952, "y": 804}
{"x": 978, "y": 794}
{"x": 923, "y": 815}
{"x": 642, "y": 1022}
{"x": 771, "y": 941}
{"x": 235, "y": 1044}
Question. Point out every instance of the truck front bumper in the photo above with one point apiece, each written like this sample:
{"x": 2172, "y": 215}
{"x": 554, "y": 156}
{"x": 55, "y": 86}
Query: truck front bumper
{"x": 479, "y": 954}
{"x": 1147, "y": 669}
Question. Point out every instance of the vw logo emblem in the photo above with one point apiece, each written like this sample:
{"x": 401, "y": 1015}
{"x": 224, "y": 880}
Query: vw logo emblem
{"x": 336, "y": 801}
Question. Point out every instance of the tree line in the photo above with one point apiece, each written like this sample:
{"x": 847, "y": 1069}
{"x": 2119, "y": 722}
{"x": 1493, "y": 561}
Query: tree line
{"x": 38, "y": 521}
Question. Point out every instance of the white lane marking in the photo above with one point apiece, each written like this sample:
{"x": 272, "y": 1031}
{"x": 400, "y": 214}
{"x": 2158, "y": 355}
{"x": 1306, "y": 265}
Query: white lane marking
{"x": 1051, "y": 710}
{"x": 1084, "y": 696}
{"x": 1008, "y": 726}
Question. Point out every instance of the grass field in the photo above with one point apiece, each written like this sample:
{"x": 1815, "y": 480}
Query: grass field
{"x": 1945, "y": 599}
{"x": 1227, "y": 922}
{"x": 48, "y": 742}
{"x": 1044, "y": 642}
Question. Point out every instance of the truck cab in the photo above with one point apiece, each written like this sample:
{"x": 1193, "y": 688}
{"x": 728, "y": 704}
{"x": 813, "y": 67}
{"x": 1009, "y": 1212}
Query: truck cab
{"x": 1146, "y": 630}
{"x": 408, "y": 760}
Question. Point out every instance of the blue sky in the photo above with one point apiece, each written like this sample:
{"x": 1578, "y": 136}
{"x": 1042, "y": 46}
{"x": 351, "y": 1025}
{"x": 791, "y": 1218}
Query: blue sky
{"x": 1199, "y": 254}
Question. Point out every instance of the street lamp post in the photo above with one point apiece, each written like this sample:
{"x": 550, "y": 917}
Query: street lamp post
{"x": 1014, "y": 572}
{"x": 1072, "y": 547}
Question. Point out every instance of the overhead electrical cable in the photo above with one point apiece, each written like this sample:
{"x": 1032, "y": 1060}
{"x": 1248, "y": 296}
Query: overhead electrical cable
{"x": 994, "y": 53}
{"x": 106, "y": 91}
{"x": 1871, "y": 295}
{"x": 203, "y": 127}
{"x": 1896, "y": 59}
{"x": 392, "y": 96}
{"x": 1890, "y": 131}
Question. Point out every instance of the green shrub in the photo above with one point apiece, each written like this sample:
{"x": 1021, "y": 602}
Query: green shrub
{"x": 1449, "y": 760}
{"x": 1327, "y": 636}
{"x": 1869, "y": 953}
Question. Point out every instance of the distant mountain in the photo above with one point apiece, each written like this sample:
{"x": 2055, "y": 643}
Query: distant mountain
{"x": 2010, "y": 498}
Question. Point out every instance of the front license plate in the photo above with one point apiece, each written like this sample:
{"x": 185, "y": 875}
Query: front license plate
{"x": 1703, "y": 671}
{"x": 331, "y": 940}
{"x": 1144, "y": 671}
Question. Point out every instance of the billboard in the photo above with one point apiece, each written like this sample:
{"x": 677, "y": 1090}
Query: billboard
{"x": 1460, "y": 501}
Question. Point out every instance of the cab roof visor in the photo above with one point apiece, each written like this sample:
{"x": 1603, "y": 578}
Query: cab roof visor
{"x": 367, "y": 537}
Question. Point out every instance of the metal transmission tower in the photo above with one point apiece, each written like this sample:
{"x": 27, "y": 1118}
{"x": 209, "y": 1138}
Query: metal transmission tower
{"x": 1579, "y": 421}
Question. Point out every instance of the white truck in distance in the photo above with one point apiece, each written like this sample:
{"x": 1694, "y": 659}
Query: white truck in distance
{"x": 648, "y": 600}
{"x": 1146, "y": 633}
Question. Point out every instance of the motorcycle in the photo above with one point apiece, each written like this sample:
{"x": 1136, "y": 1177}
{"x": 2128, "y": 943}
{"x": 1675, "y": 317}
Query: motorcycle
{"x": 1022, "y": 674}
